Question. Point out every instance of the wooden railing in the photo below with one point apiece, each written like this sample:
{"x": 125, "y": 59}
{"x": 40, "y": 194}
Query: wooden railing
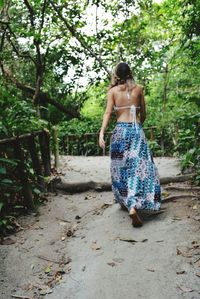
{"x": 35, "y": 147}
{"x": 73, "y": 144}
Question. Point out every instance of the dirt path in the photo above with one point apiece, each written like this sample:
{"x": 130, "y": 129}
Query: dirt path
{"x": 76, "y": 169}
{"x": 83, "y": 246}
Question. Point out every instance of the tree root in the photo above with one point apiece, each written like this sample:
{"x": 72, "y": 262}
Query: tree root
{"x": 182, "y": 188}
{"x": 171, "y": 198}
{"x": 177, "y": 179}
{"x": 106, "y": 186}
{"x": 83, "y": 186}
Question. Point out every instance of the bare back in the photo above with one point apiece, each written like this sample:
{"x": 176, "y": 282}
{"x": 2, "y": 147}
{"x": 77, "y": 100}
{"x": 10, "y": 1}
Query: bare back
{"x": 124, "y": 98}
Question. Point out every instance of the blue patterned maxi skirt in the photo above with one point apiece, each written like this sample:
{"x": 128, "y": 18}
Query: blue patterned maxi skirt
{"x": 134, "y": 176}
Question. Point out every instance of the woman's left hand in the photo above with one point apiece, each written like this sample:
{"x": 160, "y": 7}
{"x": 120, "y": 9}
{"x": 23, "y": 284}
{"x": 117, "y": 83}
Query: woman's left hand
{"x": 101, "y": 140}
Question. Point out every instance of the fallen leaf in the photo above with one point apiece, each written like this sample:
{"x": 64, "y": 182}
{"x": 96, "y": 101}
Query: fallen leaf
{"x": 151, "y": 270}
{"x": 178, "y": 251}
{"x": 8, "y": 241}
{"x": 45, "y": 290}
{"x": 118, "y": 260}
{"x": 75, "y": 227}
{"x": 69, "y": 268}
{"x": 65, "y": 261}
{"x": 185, "y": 289}
{"x": 180, "y": 272}
{"x": 58, "y": 276}
{"x": 195, "y": 207}
{"x": 48, "y": 269}
{"x": 18, "y": 225}
{"x": 106, "y": 205}
{"x": 63, "y": 238}
{"x": 127, "y": 239}
{"x": 197, "y": 260}
{"x": 27, "y": 287}
{"x": 112, "y": 264}
{"x": 165, "y": 194}
{"x": 95, "y": 246}
{"x": 176, "y": 218}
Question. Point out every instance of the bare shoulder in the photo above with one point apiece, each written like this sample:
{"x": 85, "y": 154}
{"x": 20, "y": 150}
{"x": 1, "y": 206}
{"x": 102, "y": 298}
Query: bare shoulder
{"x": 110, "y": 91}
{"x": 140, "y": 88}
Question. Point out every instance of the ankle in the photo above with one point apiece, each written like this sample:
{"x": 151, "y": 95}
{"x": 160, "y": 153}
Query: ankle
{"x": 133, "y": 211}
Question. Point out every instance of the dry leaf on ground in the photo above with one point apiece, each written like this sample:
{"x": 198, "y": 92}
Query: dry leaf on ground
{"x": 112, "y": 264}
{"x": 95, "y": 246}
{"x": 118, "y": 260}
{"x": 127, "y": 239}
{"x": 151, "y": 270}
{"x": 8, "y": 241}
{"x": 180, "y": 272}
{"x": 185, "y": 289}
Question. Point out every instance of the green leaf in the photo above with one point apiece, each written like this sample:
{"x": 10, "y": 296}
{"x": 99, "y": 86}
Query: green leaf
{"x": 6, "y": 181}
{"x": 19, "y": 207}
{"x": 1, "y": 3}
{"x": 1, "y": 205}
{"x": 2, "y": 170}
{"x": 8, "y": 161}
{"x": 36, "y": 191}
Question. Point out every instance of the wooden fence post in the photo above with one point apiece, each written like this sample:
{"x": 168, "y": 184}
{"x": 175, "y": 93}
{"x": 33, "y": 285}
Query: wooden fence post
{"x": 67, "y": 144}
{"x": 36, "y": 162}
{"x": 162, "y": 141}
{"x": 86, "y": 142}
{"x": 151, "y": 134}
{"x": 44, "y": 140}
{"x": 23, "y": 177}
{"x": 56, "y": 147}
{"x": 97, "y": 143}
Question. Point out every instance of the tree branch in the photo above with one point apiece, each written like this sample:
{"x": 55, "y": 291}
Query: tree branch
{"x": 43, "y": 13}
{"x": 31, "y": 12}
{"x": 39, "y": 63}
{"x": 80, "y": 39}
{"x": 31, "y": 91}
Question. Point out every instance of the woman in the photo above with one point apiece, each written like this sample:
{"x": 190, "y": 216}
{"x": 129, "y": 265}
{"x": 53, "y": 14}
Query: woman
{"x": 134, "y": 176}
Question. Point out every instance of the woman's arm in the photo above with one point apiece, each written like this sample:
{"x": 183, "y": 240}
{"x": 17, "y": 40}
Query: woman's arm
{"x": 106, "y": 117}
{"x": 142, "y": 107}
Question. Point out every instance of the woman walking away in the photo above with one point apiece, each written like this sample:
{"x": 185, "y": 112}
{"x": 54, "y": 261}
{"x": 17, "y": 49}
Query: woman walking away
{"x": 134, "y": 176}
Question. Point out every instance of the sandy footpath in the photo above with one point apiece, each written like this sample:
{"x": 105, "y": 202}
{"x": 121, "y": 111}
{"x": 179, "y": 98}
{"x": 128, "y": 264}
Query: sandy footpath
{"x": 82, "y": 246}
{"x": 76, "y": 169}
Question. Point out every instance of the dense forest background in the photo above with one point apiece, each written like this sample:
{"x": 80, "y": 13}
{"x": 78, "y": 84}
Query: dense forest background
{"x": 56, "y": 58}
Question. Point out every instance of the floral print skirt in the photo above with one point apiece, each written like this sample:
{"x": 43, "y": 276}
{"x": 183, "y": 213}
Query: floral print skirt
{"x": 134, "y": 176}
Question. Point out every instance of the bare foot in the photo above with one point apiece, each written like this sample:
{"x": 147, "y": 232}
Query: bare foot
{"x": 136, "y": 221}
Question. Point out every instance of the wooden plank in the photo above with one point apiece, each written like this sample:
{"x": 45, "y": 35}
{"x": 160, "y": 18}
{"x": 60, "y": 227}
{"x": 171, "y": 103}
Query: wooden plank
{"x": 20, "y": 137}
{"x": 45, "y": 152}
{"x": 35, "y": 161}
{"x": 55, "y": 147}
{"x": 23, "y": 177}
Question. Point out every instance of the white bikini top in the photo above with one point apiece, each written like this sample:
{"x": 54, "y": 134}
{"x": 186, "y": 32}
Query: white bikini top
{"x": 132, "y": 110}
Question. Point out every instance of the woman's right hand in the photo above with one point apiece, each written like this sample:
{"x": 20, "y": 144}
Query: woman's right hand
{"x": 101, "y": 140}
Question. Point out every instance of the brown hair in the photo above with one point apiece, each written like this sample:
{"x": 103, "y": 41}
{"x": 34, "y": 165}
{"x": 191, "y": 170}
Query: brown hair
{"x": 122, "y": 73}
